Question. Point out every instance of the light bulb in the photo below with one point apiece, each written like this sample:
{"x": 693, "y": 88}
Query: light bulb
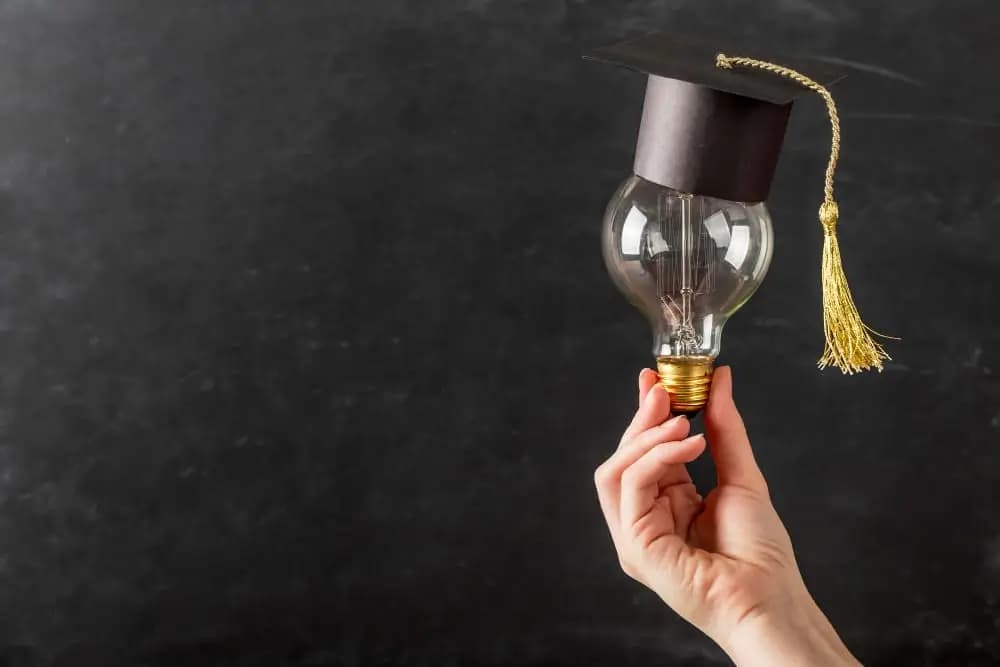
{"x": 687, "y": 238}
{"x": 687, "y": 262}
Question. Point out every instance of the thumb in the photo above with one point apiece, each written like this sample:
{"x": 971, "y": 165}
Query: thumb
{"x": 727, "y": 436}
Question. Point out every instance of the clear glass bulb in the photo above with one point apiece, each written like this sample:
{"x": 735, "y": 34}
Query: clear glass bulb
{"x": 688, "y": 263}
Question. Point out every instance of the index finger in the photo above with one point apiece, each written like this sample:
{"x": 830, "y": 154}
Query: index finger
{"x": 647, "y": 378}
{"x": 654, "y": 410}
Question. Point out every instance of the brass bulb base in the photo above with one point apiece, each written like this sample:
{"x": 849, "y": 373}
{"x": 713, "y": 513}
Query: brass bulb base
{"x": 688, "y": 380}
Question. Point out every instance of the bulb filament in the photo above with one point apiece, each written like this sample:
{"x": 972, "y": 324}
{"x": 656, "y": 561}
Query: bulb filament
{"x": 677, "y": 280}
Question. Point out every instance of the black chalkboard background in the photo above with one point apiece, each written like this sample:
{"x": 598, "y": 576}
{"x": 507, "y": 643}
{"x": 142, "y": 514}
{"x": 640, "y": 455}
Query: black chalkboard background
{"x": 307, "y": 353}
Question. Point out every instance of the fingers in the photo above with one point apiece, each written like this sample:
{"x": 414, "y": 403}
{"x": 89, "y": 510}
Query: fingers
{"x": 727, "y": 436}
{"x": 672, "y": 429}
{"x": 647, "y": 378}
{"x": 653, "y": 409}
{"x": 631, "y": 450}
{"x": 608, "y": 476}
{"x": 640, "y": 483}
{"x": 686, "y": 504}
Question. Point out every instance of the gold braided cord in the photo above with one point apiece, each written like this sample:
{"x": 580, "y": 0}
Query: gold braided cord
{"x": 725, "y": 62}
{"x": 849, "y": 343}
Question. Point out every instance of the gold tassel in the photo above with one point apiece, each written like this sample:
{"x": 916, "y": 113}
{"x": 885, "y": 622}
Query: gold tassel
{"x": 849, "y": 343}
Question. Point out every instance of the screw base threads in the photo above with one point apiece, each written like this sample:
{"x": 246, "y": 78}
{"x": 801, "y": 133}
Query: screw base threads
{"x": 688, "y": 380}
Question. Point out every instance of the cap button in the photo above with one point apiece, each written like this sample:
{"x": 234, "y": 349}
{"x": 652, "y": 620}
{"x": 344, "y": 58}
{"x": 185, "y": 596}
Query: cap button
{"x": 828, "y": 214}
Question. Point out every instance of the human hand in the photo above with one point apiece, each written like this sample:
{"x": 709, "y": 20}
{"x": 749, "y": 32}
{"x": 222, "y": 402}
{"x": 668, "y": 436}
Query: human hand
{"x": 725, "y": 562}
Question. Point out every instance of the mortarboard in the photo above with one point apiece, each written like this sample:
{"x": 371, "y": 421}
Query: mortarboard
{"x": 705, "y": 129}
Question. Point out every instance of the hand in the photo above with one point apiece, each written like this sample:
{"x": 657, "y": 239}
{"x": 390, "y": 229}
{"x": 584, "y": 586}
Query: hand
{"x": 725, "y": 562}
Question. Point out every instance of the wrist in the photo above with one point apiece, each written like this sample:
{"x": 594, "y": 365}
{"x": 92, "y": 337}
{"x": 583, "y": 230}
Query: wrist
{"x": 796, "y": 633}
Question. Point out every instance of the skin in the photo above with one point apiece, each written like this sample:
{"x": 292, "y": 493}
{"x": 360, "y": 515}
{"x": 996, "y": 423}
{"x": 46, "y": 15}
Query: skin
{"x": 723, "y": 562}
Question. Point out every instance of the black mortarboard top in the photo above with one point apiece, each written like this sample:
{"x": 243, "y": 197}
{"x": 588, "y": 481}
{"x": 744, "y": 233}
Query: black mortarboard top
{"x": 707, "y": 130}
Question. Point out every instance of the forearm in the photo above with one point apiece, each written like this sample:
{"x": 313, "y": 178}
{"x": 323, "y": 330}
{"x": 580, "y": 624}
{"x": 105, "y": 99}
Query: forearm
{"x": 797, "y": 636}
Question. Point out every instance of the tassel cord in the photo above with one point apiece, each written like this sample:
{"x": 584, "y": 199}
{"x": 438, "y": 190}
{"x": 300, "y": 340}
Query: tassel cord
{"x": 849, "y": 343}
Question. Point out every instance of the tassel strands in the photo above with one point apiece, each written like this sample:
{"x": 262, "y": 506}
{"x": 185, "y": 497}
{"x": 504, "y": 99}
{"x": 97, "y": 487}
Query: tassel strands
{"x": 849, "y": 342}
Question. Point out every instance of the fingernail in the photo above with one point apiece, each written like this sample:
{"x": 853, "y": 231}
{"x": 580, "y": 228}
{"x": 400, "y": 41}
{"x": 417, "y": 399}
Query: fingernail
{"x": 673, "y": 421}
{"x": 695, "y": 438}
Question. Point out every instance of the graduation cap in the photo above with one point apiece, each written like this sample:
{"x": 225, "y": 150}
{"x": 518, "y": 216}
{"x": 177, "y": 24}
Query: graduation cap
{"x": 713, "y": 124}
{"x": 705, "y": 129}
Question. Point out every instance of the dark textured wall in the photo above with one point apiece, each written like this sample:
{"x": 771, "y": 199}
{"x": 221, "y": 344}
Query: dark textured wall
{"x": 307, "y": 352}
